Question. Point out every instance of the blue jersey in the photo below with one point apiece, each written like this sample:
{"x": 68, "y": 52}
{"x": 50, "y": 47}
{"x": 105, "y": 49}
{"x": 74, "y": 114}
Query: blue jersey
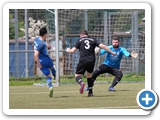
{"x": 114, "y": 61}
{"x": 40, "y": 46}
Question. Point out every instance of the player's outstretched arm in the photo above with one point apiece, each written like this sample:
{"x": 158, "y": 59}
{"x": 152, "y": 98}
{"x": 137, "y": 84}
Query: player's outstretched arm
{"x": 107, "y": 49}
{"x": 134, "y": 54}
{"x": 69, "y": 50}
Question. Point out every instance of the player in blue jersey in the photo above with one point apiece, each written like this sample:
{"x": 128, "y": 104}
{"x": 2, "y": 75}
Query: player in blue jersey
{"x": 42, "y": 58}
{"x": 86, "y": 47}
{"x": 111, "y": 64}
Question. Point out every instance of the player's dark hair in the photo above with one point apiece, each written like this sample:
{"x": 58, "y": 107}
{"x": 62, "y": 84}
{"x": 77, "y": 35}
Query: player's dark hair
{"x": 42, "y": 31}
{"x": 84, "y": 32}
{"x": 116, "y": 38}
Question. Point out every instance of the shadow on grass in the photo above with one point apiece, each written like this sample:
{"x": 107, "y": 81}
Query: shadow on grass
{"x": 101, "y": 96}
{"x": 63, "y": 96}
{"x": 123, "y": 90}
{"x": 126, "y": 90}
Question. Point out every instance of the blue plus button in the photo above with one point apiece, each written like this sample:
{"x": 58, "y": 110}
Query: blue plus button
{"x": 147, "y": 99}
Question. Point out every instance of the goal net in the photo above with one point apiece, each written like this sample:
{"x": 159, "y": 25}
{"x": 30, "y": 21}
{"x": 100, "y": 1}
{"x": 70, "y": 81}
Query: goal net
{"x": 102, "y": 24}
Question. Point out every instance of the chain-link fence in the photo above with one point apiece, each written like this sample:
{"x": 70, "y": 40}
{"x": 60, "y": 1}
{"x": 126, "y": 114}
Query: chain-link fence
{"x": 103, "y": 24}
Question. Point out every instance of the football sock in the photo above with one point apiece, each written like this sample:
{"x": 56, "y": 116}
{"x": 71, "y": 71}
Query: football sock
{"x": 49, "y": 81}
{"x": 90, "y": 84}
{"x": 53, "y": 72}
{"x": 114, "y": 83}
{"x": 90, "y": 91}
{"x": 79, "y": 79}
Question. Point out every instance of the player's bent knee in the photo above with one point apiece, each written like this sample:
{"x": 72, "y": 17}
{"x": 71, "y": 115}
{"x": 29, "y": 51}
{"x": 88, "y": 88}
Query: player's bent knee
{"x": 95, "y": 74}
{"x": 47, "y": 73}
{"x": 89, "y": 75}
{"x": 120, "y": 75}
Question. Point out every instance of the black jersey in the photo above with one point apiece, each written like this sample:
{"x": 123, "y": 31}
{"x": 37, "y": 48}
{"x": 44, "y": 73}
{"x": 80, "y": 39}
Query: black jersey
{"x": 86, "y": 48}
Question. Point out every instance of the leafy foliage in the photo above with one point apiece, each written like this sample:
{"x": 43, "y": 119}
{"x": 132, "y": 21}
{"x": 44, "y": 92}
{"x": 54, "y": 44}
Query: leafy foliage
{"x": 12, "y": 27}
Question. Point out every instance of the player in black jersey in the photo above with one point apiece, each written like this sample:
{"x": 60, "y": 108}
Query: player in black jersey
{"x": 86, "y": 46}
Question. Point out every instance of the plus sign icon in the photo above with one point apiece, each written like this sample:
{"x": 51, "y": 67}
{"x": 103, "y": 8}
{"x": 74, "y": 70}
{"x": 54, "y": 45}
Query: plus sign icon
{"x": 147, "y": 99}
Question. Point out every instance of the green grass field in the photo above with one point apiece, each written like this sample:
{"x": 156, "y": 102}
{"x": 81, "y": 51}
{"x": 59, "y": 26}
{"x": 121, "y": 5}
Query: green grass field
{"x": 68, "y": 96}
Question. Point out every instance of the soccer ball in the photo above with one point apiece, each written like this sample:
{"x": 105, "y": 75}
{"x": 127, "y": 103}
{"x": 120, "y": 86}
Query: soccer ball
{"x": 96, "y": 50}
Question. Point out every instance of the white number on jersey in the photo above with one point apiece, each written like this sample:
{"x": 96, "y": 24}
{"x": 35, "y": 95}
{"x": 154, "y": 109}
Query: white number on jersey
{"x": 87, "y": 46}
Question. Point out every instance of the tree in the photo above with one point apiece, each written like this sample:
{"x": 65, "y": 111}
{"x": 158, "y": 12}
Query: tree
{"x": 12, "y": 27}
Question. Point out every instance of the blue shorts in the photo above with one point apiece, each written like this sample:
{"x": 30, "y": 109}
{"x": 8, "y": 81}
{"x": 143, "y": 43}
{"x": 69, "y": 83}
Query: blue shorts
{"x": 46, "y": 66}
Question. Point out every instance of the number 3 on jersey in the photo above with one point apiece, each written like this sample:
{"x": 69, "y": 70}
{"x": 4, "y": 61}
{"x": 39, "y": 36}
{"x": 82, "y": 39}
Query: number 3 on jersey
{"x": 87, "y": 46}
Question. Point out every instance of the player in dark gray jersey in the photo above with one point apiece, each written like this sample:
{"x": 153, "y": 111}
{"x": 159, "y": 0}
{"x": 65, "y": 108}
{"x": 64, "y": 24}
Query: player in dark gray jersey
{"x": 86, "y": 46}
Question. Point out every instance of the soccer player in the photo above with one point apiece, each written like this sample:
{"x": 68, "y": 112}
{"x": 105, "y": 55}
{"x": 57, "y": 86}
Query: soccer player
{"x": 42, "y": 58}
{"x": 111, "y": 64}
{"x": 86, "y": 46}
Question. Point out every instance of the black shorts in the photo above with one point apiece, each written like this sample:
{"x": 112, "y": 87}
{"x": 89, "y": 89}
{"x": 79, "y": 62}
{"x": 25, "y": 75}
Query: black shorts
{"x": 83, "y": 67}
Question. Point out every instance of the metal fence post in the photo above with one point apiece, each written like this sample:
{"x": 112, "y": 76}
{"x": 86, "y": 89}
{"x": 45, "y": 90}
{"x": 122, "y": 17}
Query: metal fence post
{"x": 26, "y": 41}
{"x": 85, "y": 20}
{"x": 57, "y": 48}
{"x": 105, "y": 39}
{"x": 136, "y": 41}
{"x": 132, "y": 41}
{"x": 16, "y": 43}
{"x": 109, "y": 28}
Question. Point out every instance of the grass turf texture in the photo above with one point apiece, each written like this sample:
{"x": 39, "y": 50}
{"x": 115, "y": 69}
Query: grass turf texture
{"x": 67, "y": 97}
{"x": 71, "y": 80}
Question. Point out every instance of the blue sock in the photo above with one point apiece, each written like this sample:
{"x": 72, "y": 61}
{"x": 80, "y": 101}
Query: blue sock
{"x": 54, "y": 72}
{"x": 49, "y": 81}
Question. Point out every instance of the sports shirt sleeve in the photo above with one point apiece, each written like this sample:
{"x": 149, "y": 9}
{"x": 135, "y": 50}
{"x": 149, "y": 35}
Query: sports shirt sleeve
{"x": 98, "y": 42}
{"x": 38, "y": 47}
{"x": 102, "y": 52}
{"x": 125, "y": 52}
{"x": 77, "y": 45}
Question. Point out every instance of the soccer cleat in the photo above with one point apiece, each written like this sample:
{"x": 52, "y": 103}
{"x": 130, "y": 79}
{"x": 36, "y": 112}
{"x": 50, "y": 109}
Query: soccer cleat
{"x": 81, "y": 90}
{"x": 50, "y": 92}
{"x": 111, "y": 89}
{"x": 89, "y": 95}
{"x": 87, "y": 88}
